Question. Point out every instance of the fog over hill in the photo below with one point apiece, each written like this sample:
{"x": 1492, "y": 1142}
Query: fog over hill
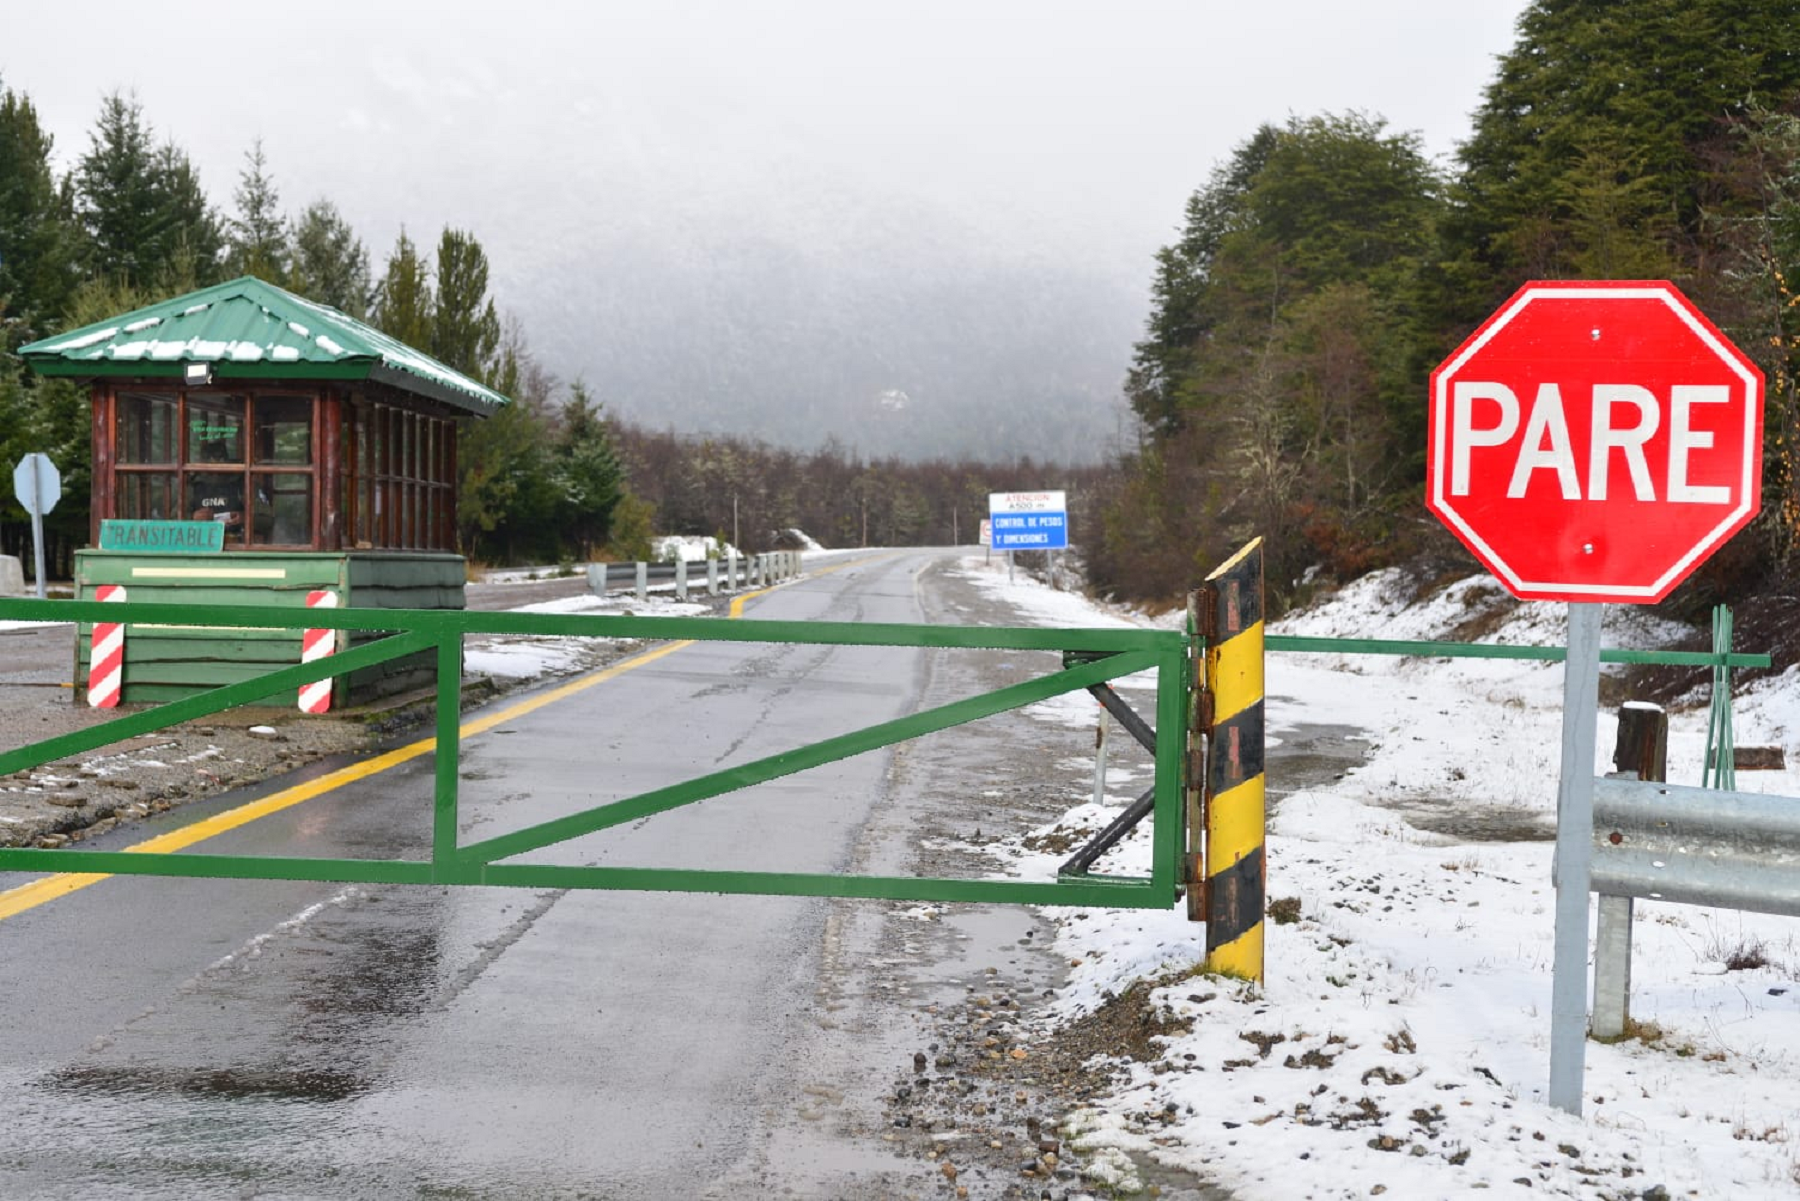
{"x": 921, "y": 228}
{"x": 891, "y": 337}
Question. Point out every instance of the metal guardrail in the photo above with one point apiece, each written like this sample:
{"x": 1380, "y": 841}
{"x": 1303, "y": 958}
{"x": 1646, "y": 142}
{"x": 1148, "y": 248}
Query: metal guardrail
{"x": 1689, "y": 846}
{"x": 1096, "y": 656}
{"x": 1696, "y": 846}
{"x": 730, "y": 573}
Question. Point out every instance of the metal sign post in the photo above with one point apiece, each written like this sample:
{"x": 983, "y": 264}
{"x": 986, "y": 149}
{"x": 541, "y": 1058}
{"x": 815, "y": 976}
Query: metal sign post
{"x": 1574, "y": 858}
{"x": 1593, "y": 442}
{"x": 38, "y": 486}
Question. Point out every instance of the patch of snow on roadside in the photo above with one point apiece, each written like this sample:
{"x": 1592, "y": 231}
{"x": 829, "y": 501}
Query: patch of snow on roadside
{"x": 1400, "y": 1042}
{"x": 525, "y": 656}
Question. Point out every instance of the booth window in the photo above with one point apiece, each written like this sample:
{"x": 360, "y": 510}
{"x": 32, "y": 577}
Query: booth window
{"x": 244, "y": 460}
{"x": 400, "y": 492}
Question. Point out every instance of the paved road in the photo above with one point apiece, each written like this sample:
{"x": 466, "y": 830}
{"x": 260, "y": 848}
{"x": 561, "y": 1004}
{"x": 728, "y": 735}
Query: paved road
{"x": 211, "y": 1038}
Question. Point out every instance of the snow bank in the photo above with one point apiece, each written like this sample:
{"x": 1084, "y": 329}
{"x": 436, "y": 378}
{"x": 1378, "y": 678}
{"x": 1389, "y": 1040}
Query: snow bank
{"x": 1400, "y": 1044}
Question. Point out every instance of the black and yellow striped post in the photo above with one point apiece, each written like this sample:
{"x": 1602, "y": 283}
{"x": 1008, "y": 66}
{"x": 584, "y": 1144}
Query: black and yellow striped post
{"x": 1231, "y": 615}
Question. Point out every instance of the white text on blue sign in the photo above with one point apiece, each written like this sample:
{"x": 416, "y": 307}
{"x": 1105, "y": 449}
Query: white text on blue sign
{"x": 1030, "y": 531}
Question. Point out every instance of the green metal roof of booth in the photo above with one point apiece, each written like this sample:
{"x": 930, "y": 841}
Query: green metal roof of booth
{"x": 248, "y": 329}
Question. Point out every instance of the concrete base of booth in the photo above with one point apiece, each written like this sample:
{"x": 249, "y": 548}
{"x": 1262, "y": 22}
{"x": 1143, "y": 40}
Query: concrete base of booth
{"x": 164, "y": 663}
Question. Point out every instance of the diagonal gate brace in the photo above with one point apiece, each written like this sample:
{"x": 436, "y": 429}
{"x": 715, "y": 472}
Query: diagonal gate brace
{"x": 1083, "y": 859}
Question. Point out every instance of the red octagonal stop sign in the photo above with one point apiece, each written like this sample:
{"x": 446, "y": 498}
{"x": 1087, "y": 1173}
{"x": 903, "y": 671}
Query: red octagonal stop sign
{"x": 1595, "y": 441}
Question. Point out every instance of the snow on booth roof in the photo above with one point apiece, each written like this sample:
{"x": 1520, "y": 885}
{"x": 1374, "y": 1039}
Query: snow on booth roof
{"x": 251, "y": 329}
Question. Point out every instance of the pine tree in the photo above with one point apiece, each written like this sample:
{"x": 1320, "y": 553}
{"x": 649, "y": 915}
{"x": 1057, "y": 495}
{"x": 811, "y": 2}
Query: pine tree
{"x": 589, "y": 479}
{"x": 258, "y": 241}
{"x": 404, "y": 303}
{"x": 1620, "y": 95}
{"x": 142, "y": 206}
{"x": 465, "y": 329}
{"x": 329, "y": 263}
{"x": 38, "y": 246}
{"x": 116, "y": 187}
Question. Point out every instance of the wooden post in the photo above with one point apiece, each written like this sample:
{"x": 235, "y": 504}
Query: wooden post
{"x": 1643, "y": 743}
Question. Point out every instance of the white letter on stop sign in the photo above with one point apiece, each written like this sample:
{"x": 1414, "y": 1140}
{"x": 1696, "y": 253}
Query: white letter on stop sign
{"x": 1683, "y": 439}
{"x": 1546, "y": 441}
{"x": 1606, "y": 439}
{"x": 1463, "y": 434}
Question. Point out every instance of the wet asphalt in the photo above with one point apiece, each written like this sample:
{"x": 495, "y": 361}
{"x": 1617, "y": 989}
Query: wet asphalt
{"x": 172, "y": 1038}
{"x": 272, "y": 1039}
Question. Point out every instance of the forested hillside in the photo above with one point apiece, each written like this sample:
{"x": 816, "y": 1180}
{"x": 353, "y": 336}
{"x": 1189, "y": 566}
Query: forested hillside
{"x": 1328, "y": 266}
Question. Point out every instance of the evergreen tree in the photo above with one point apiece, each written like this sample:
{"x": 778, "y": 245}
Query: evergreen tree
{"x": 404, "y": 303}
{"x": 38, "y": 246}
{"x": 589, "y": 479}
{"x": 1273, "y": 385}
{"x": 258, "y": 242}
{"x": 329, "y": 263}
{"x": 507, "y": 492}
{"x": 142, "y": 206}
{"x": 1582, "y": 155}
{"x": 465, "y": 328}
{"x": 116, "y": 191}
{"x": 1179, "y": 318}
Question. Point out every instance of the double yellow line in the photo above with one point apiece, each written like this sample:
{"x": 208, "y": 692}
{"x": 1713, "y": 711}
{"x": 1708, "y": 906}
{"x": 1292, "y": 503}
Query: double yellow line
{"x": 39, "y": 892}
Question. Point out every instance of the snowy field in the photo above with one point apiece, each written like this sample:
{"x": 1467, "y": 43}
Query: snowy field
{"x": 1400, "y": 1045}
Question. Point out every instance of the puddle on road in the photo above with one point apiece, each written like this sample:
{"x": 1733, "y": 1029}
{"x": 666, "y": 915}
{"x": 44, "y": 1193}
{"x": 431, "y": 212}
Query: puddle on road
{"x": 1305, "y": 755}
{"x": 275, "y": 1084}
{"x": 1465, "y": 821}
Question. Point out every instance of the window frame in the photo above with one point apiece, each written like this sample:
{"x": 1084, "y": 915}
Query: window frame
{"x": 182, "y": 469}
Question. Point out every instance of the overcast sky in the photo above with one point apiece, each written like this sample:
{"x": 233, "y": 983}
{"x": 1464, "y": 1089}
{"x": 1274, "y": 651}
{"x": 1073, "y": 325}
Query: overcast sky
{"x": 1039, "y": 132}
{"x": 1091, "y": 122}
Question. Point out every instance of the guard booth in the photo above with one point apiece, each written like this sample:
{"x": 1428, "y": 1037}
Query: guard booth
{"x": 254, "y": 447}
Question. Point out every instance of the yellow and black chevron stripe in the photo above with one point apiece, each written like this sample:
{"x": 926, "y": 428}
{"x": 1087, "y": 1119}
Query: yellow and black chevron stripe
{"x": 1232, "y": 619}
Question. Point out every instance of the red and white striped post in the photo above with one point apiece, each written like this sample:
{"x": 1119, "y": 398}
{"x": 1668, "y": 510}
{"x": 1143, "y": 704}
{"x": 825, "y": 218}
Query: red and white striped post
{"x": 106, "y": 655}
{"x": 316, "y": 644}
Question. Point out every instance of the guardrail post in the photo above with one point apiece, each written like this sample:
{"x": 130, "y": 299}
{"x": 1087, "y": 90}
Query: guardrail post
{"x": 712, "y": 577}
{"x": 1719, "y": 769}
{"x": 643, "y": 582}
{"x": 1100, "y": 758}
{"x": 596, "y": 576}
{"x": 731, "y": 571}
{"x": 681, "y": 591}
{"x": 1232, "y": 610}
{"x": 1642, "y": 750}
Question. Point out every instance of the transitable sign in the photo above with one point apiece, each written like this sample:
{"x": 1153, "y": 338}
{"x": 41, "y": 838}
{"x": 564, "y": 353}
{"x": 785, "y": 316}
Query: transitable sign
{"x": 1028, "y": 520}
{"x": 1595, "y": 441}
{"x": 163, "y": 537}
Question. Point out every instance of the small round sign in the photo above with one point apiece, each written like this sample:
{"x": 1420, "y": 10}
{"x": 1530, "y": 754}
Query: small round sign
{"x": 1595, "y": 441}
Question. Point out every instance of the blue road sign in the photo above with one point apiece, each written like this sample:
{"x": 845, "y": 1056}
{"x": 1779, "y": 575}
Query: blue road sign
{"x": 1030, "y": 531}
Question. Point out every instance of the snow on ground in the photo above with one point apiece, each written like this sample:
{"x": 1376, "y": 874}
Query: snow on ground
{"x": 694, "y": 549}
{"x": 517, "y": 656}
{"x": 29, "y": 625}
{"x": 1401, "y": 1042}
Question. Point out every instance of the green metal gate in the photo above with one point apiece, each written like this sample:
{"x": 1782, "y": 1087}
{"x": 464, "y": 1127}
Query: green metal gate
{"x": 1090, "y": 659}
